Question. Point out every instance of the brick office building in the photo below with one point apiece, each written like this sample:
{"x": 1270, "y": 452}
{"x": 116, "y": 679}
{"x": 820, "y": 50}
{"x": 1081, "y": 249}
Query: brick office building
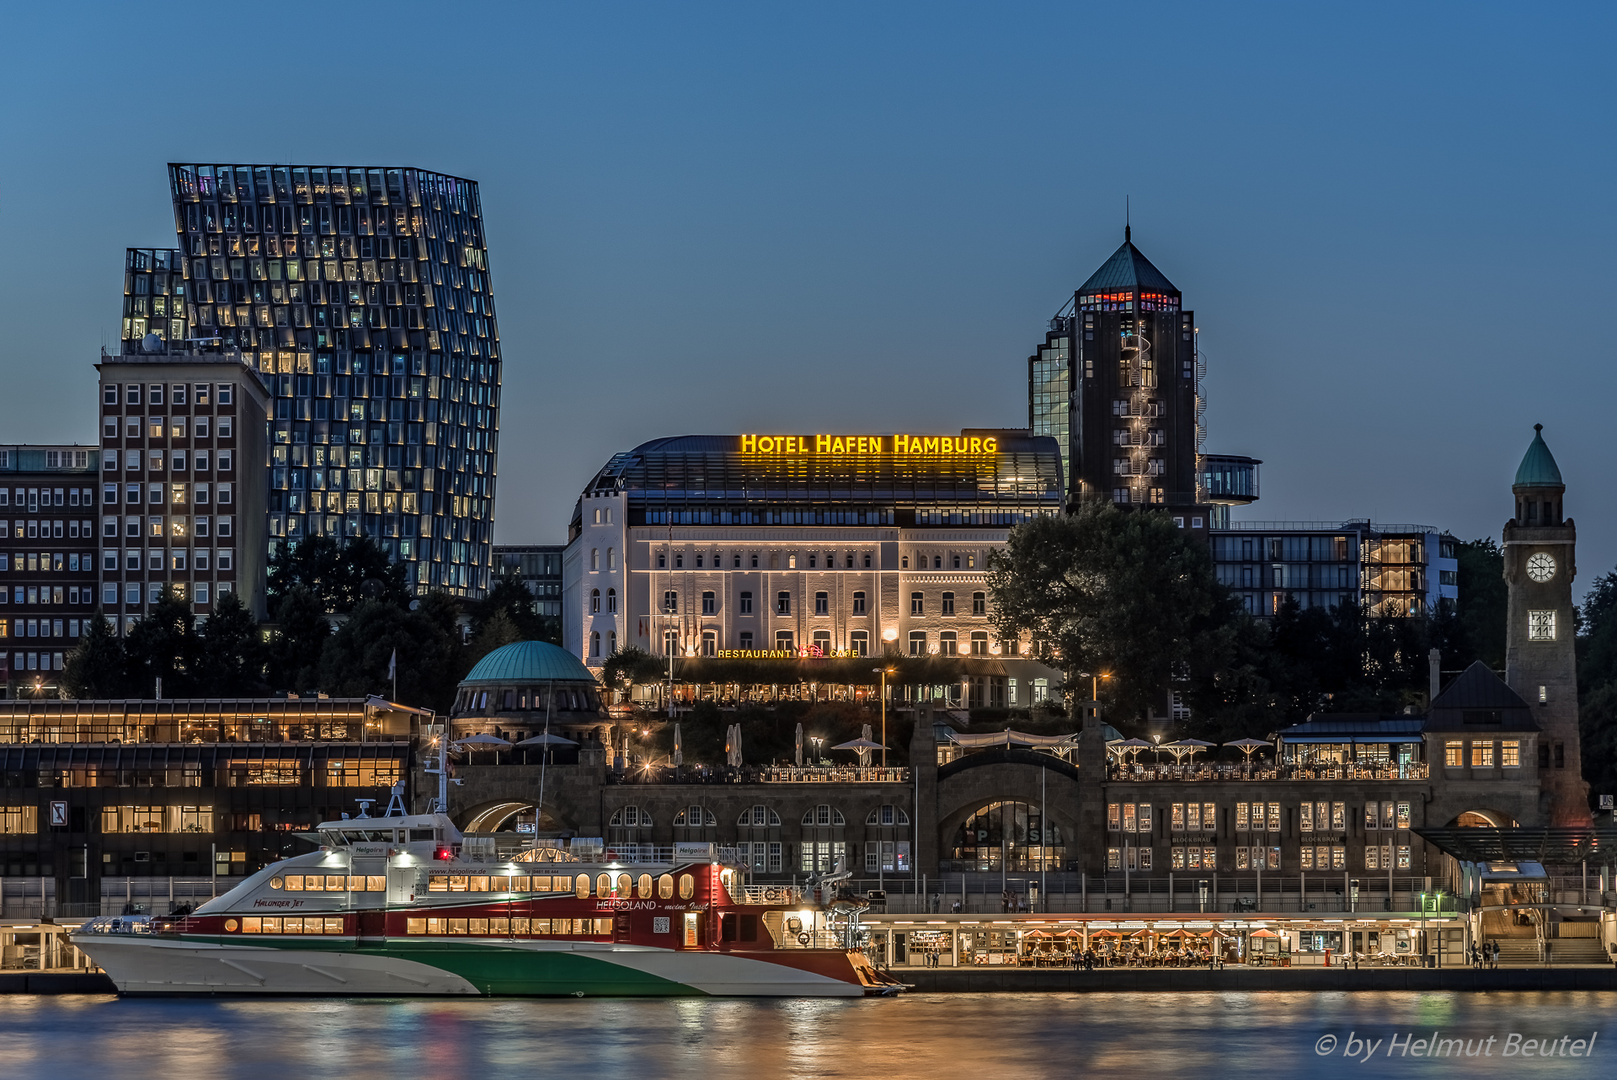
{"x": 182, "y": 481}
{"x": 47, "y": 509}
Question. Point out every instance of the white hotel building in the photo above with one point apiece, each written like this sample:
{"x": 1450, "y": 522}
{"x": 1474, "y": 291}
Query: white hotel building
{"x": 792, "y": 547}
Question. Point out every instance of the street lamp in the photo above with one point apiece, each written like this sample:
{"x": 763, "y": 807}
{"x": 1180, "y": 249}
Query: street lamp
{"x": 816, "y": 740}
{"x": 884, "y": 672}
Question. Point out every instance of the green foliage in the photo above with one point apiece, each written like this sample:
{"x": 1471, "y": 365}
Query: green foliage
{"x": 511, "y": 597}
{"x": 163, "y": 645}
{"x": 302, "y": 630}
{"x": 96, "y": 668}
{"x": 1597, "y": 729}
{"x": 232, "y": 652}
{"x": 355, "y": 660}
{"x": 338, "y": 575}
{"x": 631, "y": 667}
{"x": 1483, "y": 607}
{"x": 1128, "y": 594}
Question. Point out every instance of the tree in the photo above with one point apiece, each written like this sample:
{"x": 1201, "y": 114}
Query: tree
{"x": 300, "y": 639}
{"x": 96, "y": 668}
{"x": 1129, "y": 594}
{"x": 627, "y": 668}
{"x": 511, "y": 596}
{"x": 1483, "y": 605}
{"x": 339, "y": 575}
{"x": 356, "y": 658}
{"x": 232, "y": 651}
{"x": 163, "y": 645}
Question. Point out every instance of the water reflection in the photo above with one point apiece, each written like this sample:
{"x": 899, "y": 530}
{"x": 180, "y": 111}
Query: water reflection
{"x": 993, "y": 1036}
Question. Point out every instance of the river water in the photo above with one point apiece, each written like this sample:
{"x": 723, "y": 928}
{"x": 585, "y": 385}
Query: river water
{"x": 982, "y": 1036}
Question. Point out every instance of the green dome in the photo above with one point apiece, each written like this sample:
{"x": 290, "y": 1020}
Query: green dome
{"x": 1538, "y": 468}
{"x": 528, "y": 662}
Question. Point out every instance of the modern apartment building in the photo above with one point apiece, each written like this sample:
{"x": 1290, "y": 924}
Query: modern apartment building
{"x": 1118, "y": 384}
{"x": 48, "y": 560}
{"x": 1397, "y": 570}
{"x": 362, "y": 298}
{"x": 540, "y": 567}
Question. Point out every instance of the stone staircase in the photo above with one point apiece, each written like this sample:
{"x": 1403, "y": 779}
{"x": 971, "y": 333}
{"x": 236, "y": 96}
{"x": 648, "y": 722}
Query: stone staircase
{"x": 1564, "y": 952}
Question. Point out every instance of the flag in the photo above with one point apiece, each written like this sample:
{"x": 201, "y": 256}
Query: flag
{"x": 393, "y": 665}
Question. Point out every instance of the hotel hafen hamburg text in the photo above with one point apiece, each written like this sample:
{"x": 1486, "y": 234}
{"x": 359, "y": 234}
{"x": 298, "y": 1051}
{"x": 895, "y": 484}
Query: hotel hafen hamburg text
{"x": 804, "y": 545}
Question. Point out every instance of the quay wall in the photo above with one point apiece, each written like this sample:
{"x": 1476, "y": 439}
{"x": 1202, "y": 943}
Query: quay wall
{"x": 1157, "y": 980}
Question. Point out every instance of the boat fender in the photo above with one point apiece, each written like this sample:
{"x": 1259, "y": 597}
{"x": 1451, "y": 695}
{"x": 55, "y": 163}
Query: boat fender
{"x": 803, "y": 938}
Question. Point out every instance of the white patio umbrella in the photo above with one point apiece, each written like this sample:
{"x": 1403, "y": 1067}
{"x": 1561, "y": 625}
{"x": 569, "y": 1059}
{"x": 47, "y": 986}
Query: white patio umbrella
{"x": 799, "y": 746}
{"x": 735, "y": 746}
{"x": 863, "y": 746}
{"x": 547, "y": 739}
{"x": 1247, "y": 746}
{"x": 679, "y": 756}
{"x": 1134, "y": 746}
{"x": 482, "y": 740}
{"x": 1184, "y": 748}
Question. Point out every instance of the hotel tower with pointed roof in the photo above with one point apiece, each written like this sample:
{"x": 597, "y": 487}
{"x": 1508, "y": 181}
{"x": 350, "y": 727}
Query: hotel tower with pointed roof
{"x": 1118, "y": 383}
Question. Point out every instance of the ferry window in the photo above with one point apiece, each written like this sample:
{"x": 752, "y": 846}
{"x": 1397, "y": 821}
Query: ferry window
{"x": 438, "y": 883}
{"x": 520, "y": 927}
{"x": 500, "y": 926}
{"x": 231, "y": 925}
{"x": 275, "y": 883}
{"x": 665, "y": 887}
{"x": 252, "y": 925}
{"x": 479, "y": 884}
{"x": 457, "y": 883}
{"x": 294, "y": 883}
{"x": 271, "y": 926}
{"x": 457, "y": 926}
{"x": 581, "y": 887}
{"x": 643, "y": 892}
{"x": 437, "y": 926}
{"x": 333, "y": 924}
{"x": 376, "y": 883}
{"x": 687, "y": 886}
{"x": 477, "y": 927}
{"x": 542, "y": 884}
{"x": 603, "y": 926}
{"x": 623, "y": 887}
{"x": 603, "y": 885}
{"x": 336, "y": 882}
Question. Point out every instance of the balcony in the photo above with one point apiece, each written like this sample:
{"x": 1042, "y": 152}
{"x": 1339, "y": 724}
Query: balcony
{"x": 1216, "y": 773}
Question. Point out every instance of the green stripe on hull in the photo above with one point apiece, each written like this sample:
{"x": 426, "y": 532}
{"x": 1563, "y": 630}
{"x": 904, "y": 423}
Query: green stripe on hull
{"x": 501, "y": 970}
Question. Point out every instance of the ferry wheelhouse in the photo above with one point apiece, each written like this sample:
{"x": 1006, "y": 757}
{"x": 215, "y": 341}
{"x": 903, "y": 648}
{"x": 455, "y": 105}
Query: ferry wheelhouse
{"x": 404, "y": 905}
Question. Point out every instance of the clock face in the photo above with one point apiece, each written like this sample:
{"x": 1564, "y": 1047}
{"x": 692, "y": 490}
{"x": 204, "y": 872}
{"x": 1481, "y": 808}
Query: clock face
{"x": 1541, "y": 566}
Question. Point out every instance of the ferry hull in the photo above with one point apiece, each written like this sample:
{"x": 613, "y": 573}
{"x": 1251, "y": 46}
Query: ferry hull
{"x": 403, "y": 968}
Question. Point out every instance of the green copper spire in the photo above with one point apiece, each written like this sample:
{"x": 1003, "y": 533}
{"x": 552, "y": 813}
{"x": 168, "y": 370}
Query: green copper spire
{"x": 1538, "y": 468}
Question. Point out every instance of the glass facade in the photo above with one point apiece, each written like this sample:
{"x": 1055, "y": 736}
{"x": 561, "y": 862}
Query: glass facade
{"x": 1391, "y": 570}
{"x": 154, "y": 296}
{"x": 713, "y": 480}
{"x": 362, "y": 297}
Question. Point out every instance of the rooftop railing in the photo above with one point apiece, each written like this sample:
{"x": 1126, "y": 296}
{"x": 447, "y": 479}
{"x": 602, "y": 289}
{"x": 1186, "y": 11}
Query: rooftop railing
{"x": 1415, "y": 770}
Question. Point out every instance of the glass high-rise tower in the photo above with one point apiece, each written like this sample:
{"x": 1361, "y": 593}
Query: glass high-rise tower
{"x": 362, "y": 297}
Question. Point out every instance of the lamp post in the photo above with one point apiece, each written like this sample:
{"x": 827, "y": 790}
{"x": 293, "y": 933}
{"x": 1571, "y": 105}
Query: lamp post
{"x": 816, "y": 740}
{"x": 884, "y": 672}
{"x": 1423, "y": 929}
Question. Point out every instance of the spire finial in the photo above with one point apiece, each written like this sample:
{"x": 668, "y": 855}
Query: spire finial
{"x": 1126, "y": 224}
{"x": 1538, "y": 427}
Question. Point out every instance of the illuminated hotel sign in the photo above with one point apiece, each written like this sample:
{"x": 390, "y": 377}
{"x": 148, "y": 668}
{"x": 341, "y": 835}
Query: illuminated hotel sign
{"x": 869, "y": 444}
{"x": 802, "y": 652}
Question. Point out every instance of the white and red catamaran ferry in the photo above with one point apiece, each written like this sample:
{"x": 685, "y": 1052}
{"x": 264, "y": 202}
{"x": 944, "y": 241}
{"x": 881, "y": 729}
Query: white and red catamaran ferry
{"x": 402, "y": 905}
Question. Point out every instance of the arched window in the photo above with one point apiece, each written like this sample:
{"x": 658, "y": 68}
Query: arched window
{"x": 611, "y": 642}
{"x": 824, "y": 815}
{"x": 979, "y": 643}
{"x": 687, "y": 886}
{"x": 611, "y": 559}
{"x": 759, "y": 816}
{"x": 581, "y": 887}
{"x": 917, "y": 642}
{"x": 947, "y": 644}
{"x": 630, "y": 817}
{"x": 595, "y": 601}
{"x": 603, "y": 885}
{"x": 1009, "y": 835}
{"x": 695, "y": 817}
{"x": 643, "y": 887}
{"x": 595, "y": 643}
{"x": 665, "y": 887}
{"x": 888, "y": 814}
{"x": 595, "y": 558}
{"x": 611, "y": 600}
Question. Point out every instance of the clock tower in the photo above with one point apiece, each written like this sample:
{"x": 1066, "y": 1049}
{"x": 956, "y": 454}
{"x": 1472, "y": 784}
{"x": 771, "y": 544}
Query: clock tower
{"x": 1540, "y": 650}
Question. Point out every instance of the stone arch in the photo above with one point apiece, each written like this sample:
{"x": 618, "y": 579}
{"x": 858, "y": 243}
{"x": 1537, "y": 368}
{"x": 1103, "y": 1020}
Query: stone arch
{"x": 964, "y": 792}
{"x": 501, "y": 816}
{"x": 1479, "y": 818}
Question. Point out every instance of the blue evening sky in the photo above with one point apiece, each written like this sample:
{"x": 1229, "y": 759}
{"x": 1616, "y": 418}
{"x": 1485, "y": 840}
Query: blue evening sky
{"x": 1394, "y": 222}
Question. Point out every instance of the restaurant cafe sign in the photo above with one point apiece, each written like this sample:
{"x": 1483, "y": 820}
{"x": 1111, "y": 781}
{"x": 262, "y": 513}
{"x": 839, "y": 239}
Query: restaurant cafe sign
{"x": 867, "y": 445}
{"x": 802, "y": 652}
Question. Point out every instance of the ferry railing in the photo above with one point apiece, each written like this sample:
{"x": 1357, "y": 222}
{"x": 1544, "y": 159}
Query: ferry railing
{"x": 769, "y": 894}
